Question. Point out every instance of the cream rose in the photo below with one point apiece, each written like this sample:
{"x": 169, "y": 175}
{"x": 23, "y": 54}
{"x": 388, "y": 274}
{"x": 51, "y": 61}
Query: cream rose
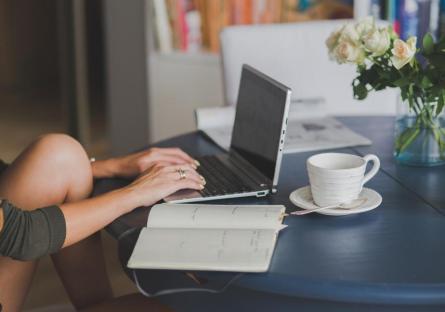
{"x": 365, "y": 26}
{"x": 349, "y": 33}
{"x": 377, "y": 41}
{"x": 403, "y": 52}
{"x": 332, "y": 42}
{"x": 349, "y": 52}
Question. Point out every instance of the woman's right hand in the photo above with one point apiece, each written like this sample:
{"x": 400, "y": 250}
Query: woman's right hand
{"x": 162, "y": 181}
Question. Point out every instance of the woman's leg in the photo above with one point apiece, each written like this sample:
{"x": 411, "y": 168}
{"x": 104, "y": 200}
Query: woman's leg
{"x": 53, "y": 170}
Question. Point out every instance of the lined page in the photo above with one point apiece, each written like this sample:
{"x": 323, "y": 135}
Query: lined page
{"x": 204, "y": 249}
{"x": 216, "y": 216}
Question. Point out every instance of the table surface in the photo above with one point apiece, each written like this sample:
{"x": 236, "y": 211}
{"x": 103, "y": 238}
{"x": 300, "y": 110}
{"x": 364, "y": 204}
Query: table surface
{"x": 392, "y": 255}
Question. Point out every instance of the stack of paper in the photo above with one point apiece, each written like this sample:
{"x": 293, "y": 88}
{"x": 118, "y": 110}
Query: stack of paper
{"x": 303, "y": 134}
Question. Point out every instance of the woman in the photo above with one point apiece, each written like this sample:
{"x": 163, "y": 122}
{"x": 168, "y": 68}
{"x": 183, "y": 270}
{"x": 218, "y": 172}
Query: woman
{"x": 55, "y": 172}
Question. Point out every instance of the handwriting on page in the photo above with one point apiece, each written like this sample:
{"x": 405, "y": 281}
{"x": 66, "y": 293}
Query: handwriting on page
{"x": 222, "y": 246}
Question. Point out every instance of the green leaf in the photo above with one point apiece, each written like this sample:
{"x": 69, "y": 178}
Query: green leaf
{"x": 426, "y": 83}
{"x": 440, "y": 103}
{"x": 405, "y": 139}
{"x": 360, "y": 91}
{"x": 411, "y": 96}
{"x": 437, "y": 60}
{"x": 428, "y": 43}
{"x": 402, "y": 82}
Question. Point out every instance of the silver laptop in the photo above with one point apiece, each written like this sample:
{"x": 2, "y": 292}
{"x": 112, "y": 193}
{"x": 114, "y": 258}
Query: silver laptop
{"x": 252, "y": 165}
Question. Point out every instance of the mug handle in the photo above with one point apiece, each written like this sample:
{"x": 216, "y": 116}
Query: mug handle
{"x": 375, "y": 168}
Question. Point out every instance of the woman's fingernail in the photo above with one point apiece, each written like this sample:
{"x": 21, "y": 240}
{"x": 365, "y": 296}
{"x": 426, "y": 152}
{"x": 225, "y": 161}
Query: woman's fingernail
{"x": 202, "y": 186}
{"x": 197, "y": 163}
{"x": 194, "y": 166}
{"x": 203, "y": 180}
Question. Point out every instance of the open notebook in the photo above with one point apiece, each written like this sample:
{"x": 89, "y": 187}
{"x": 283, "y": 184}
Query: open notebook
{"x": 208, "y": 237}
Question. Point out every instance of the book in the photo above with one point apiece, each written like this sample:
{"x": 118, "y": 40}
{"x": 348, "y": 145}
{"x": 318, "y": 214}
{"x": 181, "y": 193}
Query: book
{"x": 408, "y": 18}
{"x": 307, "y": 133}
{"x": 424, "y": 14}
{"x": 230, "y": 238}
{"x": 441, "y": 30}
{"x": 362, "y": 8}
{"x": 376, "y": 9}
{"x": 194, "y": 25}
{"x": 164, "y": 33}
{"x": 434, "y": 17}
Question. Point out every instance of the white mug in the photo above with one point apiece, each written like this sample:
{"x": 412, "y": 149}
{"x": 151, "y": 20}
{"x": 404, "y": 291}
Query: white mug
{"x": 337, "y": 178}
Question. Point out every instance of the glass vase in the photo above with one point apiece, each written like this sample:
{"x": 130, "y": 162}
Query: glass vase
{"x": 419, "y": 134}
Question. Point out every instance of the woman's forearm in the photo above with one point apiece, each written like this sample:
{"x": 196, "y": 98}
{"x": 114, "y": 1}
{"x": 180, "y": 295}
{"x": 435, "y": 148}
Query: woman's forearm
{"x": 105, "y": 168}
{"x": 88, "y": 216}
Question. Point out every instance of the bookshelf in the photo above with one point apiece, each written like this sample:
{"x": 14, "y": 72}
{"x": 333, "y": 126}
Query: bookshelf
{"x": 172, "y": 112}
{"x": 166, "y": 85}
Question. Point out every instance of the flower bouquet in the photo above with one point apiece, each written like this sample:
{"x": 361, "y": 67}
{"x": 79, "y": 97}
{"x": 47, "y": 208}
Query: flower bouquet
{"x": 383, "y": 60}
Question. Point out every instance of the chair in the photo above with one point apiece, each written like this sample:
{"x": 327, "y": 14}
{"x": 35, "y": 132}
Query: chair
{"x": 296, "y": 55}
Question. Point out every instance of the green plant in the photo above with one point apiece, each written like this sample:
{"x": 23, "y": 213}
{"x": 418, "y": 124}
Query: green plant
{"x": 385, "y": 61}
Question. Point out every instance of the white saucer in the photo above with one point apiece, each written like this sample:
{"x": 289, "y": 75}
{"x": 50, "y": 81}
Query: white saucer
{"x": 302, "y": 198}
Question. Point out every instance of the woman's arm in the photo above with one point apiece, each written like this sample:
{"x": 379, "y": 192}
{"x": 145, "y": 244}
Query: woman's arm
{"x": 134, "y": 164}
{"x": 18, "y": 238}
{"x": 88, "y": 216}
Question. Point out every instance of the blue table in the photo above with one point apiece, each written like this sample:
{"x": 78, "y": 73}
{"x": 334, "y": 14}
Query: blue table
{"x": 389, "y": 259}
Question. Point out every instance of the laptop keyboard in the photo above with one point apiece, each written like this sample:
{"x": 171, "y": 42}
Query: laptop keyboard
{"x": 220, "y": 179}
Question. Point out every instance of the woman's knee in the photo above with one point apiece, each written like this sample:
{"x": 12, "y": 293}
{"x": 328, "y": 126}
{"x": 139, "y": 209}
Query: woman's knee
{"x": 53, "y": 169}
{"x": 66, "y": 156}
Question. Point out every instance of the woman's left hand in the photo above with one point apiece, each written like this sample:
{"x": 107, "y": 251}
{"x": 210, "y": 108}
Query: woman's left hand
{"x": 134, "y": 164}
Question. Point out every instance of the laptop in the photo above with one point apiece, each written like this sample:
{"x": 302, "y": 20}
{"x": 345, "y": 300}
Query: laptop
{"x": 251, "y": 167}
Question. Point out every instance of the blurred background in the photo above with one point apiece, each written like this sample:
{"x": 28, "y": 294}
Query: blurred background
{"x": 118, "y": 75}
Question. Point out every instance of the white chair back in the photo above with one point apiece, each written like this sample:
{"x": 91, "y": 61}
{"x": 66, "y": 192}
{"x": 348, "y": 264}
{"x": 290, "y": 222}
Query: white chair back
{"x": 296, "y": 55}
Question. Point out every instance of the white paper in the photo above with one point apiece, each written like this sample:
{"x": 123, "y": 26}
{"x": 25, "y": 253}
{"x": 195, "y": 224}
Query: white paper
{"x": 204, "y": 249}
{"x": 310, "y": 133}
{"x": 216, "y": 216}
{"x": 314, "y": 134}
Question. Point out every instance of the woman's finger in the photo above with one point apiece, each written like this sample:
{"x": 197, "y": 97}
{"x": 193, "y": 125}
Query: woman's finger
{"x": 185, "y": 175}
{"x": 178, "y": 153}
{"x": 168, "y": 159}
{"x": 188, "y": 167}
{"x": 189, "y": 184}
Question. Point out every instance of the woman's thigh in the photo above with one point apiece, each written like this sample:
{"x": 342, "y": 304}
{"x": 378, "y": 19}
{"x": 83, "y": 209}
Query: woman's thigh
{"x": 50, "y": 171}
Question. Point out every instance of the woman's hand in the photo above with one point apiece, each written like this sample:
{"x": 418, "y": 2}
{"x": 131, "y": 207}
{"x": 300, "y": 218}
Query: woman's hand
{"x": 86, "y": 217}
{"x": 162, "y": 181}
{"x": 134, "y": 164}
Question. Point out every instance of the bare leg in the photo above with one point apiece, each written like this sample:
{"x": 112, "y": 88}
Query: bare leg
{"x": 53, "y": 170}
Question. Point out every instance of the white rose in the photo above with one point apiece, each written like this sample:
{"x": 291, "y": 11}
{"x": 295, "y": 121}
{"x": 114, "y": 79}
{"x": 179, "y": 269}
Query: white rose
{"x": 365, "y": 26}
{"x": 332, "y": 42}
{"x": 403, "y": 52}
{"x": 377, "y": 41}
{"x": 349, "y": 52}
{"x": 349, "y": 33}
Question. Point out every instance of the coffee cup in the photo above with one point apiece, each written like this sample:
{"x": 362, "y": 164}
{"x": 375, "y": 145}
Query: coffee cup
{"x": 337, "y": 178}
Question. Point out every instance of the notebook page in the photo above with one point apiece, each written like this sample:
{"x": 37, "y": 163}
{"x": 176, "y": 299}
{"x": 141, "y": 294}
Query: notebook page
{"x": 204, "y": 249}
{"x": 216, "y": 216}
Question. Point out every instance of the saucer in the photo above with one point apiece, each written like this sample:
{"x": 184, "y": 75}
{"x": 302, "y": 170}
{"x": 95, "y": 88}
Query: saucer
{"x": 302, "y": 198}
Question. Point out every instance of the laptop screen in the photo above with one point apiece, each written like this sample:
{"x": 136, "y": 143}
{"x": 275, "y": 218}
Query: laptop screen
{"x": 258, "y": 120}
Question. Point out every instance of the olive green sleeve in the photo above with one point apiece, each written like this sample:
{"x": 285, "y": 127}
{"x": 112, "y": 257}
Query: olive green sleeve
{"x": 29, "y": 235}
